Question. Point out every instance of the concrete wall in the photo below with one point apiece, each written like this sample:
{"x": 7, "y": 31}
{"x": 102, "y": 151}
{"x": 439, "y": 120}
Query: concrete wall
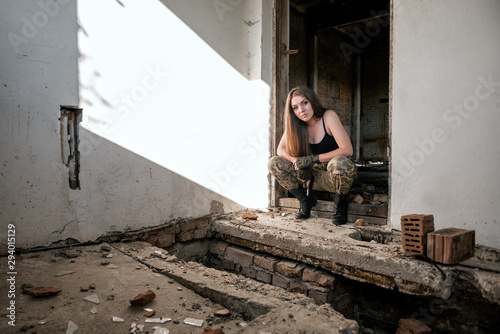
{"x": 175, "y": 125}
{"x": 445, "y": 114}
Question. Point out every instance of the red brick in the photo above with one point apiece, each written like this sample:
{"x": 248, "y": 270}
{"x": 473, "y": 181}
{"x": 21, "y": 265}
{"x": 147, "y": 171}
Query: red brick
{"x": 309, "y": 275}
{"x": 281, "y": 281}
{"x": 412, "y": 326}
{"x": 242, "y": 256}
{"x": 450, "y": 245}
{"x": 152, "y": 240}
{"x": 326, "y": 280}
{"x": 298, "y": 287}
{"x": 202, "y": 222}
{"x": 414, "y": 229}
{"x": 165, "y": 241}
{"x": 42, "y": 291}
{"x": 248, "y": 271}
{"x": 143, "y": 298}
{"x": 263, "y": 275}
{"x": 156, "y": 234}
{"x": 266, "y": 262}
{"x": 173, "y": 230}
{"x": 290, "y": 268}
{"x": 218, "y": 248}
{"x": 188, "y": 226}
{"x": 319, "y": 294}
{"x": 185, "y": 236}
{"x": 201, "y": 233}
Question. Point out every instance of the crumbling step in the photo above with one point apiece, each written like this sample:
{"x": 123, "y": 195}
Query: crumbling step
{"x": 372, "y": 214}
{"x": 262, "y": 302}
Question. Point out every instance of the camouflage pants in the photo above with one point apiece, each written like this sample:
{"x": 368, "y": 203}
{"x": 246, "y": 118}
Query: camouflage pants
{"x": 336, "y": 176}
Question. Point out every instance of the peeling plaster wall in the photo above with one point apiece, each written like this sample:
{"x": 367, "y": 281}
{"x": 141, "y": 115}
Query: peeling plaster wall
{"x": 174, "y": 126}
{"x": 445, "y": 116}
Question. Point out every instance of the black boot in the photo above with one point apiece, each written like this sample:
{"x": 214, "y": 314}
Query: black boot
{"x": 307, "y": 201}
{"x": 340, "y": 216}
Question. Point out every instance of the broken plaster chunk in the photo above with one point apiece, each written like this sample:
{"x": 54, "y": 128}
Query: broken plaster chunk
{"x": 72, "y": 328}
{"x": 93, "y": 310}
{"x": 161, "y": 330}
{"x": 193, "y": 322}
{"x": 222, "y": 313}
{"x": 63, "y": 273}
{"x": 42, "y": 291}
{"x": 42, "y": 322}
{"x": 117, "y": 319}
{"x": 92, "y": 298}
{"x": 143, "y": 298}
{"x": 157, "y": 320}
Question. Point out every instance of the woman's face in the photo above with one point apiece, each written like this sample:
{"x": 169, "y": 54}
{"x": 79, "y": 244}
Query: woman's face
{"x": 302, "y": 108}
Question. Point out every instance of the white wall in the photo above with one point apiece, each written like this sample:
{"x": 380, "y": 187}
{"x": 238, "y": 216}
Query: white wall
{"x": 445, "y": 114}
{"x": 175, "y": 124}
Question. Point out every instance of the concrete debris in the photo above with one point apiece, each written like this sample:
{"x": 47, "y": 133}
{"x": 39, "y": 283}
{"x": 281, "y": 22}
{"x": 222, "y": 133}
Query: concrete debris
{"x": 208, "y": 330}
{"x": 72, "y": 328}
{"x": 109, "y": 256}
{"x": 249, "y": 216}
{"x": 161, "y": 330}
{"x": 158, "y": 320}
{"x": 92, "y": 298}
{"x": 42, "y": 291}
{"x": 160, "y": 254}
{"x": 93, "y": 310}
{"x": 222, "y": 313}
{"x": 193, "y": 322}
{"x": 143, "y": 298}
{"x": 136, "y": 329}
{"x": 105, "y": 263}
{"x": 148, "y": 309}
{"x": 111, "y": 297}
{"x": 112, "y": 266}
{"x": 179, "y": 288}
{"x": 243, "y": 324}
{"x": 117, "y": 319}
{"x": 63, "y": 273}
{"x": 84, "y": 289}
{"x": 42, "y": 322}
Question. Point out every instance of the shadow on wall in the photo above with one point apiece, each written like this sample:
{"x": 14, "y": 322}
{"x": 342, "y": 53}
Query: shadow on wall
{"x": 123, "y": 191}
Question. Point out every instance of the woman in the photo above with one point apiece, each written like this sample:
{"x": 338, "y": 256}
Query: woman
{"x": 313, "y": 154}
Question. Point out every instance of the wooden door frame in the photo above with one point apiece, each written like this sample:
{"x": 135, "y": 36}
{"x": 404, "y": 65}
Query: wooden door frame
{"x": 281, "y": 19}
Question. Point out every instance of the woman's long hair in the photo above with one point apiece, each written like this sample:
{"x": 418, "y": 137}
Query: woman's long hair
{"x": 297, "y": 137}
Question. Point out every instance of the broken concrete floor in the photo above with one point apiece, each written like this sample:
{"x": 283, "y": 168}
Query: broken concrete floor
{"x": 122, "y": 276}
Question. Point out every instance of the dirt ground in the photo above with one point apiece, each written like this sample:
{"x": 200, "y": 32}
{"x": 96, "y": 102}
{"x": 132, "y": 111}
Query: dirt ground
{"x": 119, "y": 278}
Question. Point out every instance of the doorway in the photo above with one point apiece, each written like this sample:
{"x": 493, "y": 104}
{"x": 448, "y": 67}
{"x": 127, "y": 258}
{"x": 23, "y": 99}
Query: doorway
{"x": 341, "y": 49}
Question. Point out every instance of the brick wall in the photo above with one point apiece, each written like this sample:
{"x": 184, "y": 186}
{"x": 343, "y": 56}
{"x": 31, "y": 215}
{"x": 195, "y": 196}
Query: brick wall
{"x": 298, "y": 41}
{"x": 291, "y": 275}
{"x": 181, "y": 232}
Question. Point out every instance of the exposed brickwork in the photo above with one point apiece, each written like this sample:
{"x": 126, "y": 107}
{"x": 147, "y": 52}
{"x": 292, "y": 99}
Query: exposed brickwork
{"x": 288, "y": 274}
{"x": 185, "y": 236}
{"x": 165, "y": 241}
{"x": 266, "y": 262}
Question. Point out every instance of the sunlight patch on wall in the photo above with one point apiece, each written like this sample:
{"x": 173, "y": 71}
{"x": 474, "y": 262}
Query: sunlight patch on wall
{"x": 151, "y": 85}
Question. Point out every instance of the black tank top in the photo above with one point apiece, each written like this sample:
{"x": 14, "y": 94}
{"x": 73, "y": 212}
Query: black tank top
{"x": 326, "y": 144}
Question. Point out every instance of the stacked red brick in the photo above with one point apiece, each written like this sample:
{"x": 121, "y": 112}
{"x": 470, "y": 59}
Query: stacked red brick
{"x": 414, "y": 229}
{"x": 450, "y": 245}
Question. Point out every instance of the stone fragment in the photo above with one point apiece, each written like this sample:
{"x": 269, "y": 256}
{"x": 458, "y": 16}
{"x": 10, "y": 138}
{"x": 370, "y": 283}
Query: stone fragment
{"x": 249, "y": 216}
{"x": 72, "y": 328}
{"x": 92, "y": 286}
{"x": 222, "y": 313}
{"x": 358, "y": 199}
{"x": 412, "y": 326}
{"x": 161, "y": 330}
{"x": 84, "y": 289}
{"x": 63, "y": 273}
{"x": 105, "y": 263}
{"x": 112, "y": 266}
{"x": 208, "y": 330}
{"x": 105, "y": 247}
{"x": 179, "y": 288}
{"x": 70, "y": 253}
{"x": 117, "y": 319}
{"x": 92, "y": 298}
{"x": 193, "y": 322}
{"x": 42, "y": 322}
{"x": 143, "y": 298}
{"x": 111, "y": 297}
{"x": 93, "y": 310}
{"x": 42, "y": 291}
{"x": 109, "y": 256}
{"x": 157, "y": 320}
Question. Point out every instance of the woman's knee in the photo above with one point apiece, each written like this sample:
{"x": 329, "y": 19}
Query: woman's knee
{"x": 275, "y": 163}
{"x": 342, "y": 165}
